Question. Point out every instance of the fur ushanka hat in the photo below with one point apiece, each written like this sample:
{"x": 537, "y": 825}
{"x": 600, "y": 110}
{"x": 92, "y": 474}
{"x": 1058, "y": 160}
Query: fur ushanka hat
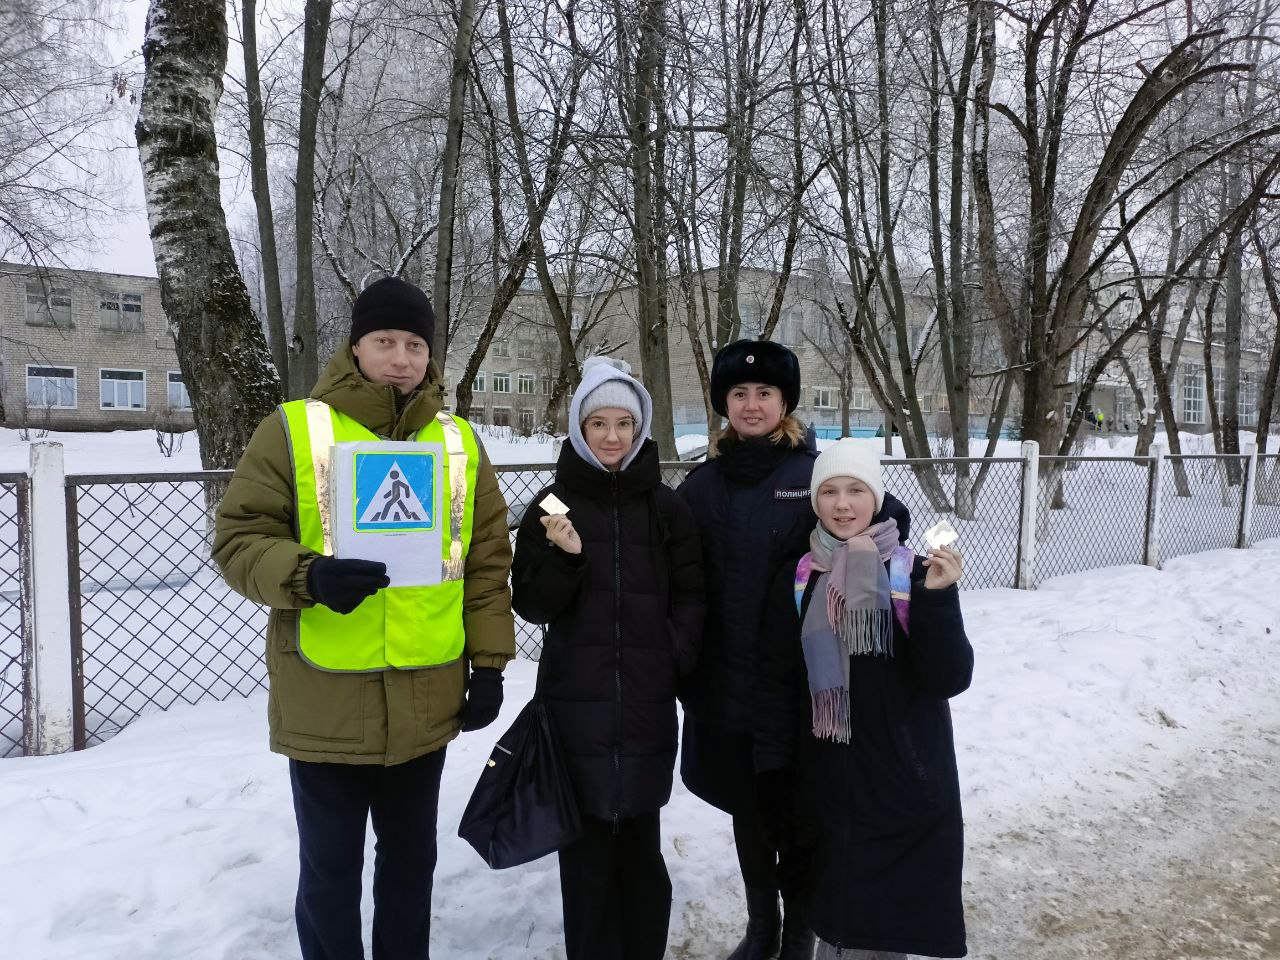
{"x": 755, "y": 361}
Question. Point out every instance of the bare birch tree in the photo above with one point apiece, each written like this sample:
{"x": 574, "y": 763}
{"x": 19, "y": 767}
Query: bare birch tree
{"x": 221, "y": 349}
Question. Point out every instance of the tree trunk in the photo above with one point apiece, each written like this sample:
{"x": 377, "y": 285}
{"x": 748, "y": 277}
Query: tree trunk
{"x": 267, "y": 257}
{"x": 221, "y": 349}
{"x": 304, "y": 363}
{"x": 449, "y": 179}
{"x": 1232, "y": 321}
{"x": 647, "y": 131}
{"x": 568, "y": 372}
{"x": 1267, "y": 389}
{"x": 1163, "y": 377}
{"x": 955, "y": 325}
{"x": 846, "y": 389}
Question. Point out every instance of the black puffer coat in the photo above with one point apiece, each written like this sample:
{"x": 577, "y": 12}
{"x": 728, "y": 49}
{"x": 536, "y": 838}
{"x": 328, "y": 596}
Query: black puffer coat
{"x": 625, "y": 622}
{"x": 753, "y": 509}
{"x": 880, "y": 816}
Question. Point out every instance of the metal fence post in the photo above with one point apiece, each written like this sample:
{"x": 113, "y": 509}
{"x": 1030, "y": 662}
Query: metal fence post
{"x": 49, "y": 646}
{"x": 1155, "y": 501}
{"x": 1026, "y": 574}
{"x": 1247, "y": 496}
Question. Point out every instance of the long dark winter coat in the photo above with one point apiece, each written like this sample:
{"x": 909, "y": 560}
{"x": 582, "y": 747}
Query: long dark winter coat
{"x": 754, "y": 513}
{"x": 625, "y": 621}
{"x": 747, "y": 523}
{"x": 752, "y": 507}
{"x": 880, "y": 816}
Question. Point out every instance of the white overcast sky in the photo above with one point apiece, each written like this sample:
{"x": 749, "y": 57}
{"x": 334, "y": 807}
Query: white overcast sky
{"x": 124, "y": 240}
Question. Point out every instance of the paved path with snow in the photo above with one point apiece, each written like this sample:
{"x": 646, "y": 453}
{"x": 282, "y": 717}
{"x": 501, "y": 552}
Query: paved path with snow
{"x": 1193, "y": 872}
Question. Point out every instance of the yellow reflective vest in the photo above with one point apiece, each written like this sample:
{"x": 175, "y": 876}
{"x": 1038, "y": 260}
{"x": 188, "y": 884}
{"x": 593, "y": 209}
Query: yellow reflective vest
{"x": 398, "y": 627}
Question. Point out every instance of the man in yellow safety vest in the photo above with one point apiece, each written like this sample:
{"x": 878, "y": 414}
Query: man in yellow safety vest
{"x": 370, "y": 679}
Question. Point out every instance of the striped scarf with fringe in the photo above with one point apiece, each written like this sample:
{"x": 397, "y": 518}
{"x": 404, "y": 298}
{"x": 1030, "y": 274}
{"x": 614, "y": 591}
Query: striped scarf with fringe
{"x": 856, "y": 620}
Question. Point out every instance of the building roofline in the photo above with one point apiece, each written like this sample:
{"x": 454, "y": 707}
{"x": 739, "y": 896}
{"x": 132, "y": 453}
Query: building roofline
{"x": 7, "y": 266}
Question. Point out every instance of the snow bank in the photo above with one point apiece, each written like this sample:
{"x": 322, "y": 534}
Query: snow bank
{"x": 176, "y": 838}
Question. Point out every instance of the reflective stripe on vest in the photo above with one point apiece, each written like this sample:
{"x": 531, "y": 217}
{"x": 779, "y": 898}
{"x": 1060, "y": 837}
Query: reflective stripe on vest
{"x": 398, "y": 627}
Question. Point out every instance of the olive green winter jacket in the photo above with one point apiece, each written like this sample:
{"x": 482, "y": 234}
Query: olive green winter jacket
{"x": 387, "y": 717}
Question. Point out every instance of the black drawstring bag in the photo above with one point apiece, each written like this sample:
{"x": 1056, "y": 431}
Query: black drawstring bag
{"x": 523, "y": 806}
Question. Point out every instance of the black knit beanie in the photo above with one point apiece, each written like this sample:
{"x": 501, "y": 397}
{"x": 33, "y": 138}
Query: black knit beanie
{"x": 755, "y": 361}
{"x": 392, "y": 304}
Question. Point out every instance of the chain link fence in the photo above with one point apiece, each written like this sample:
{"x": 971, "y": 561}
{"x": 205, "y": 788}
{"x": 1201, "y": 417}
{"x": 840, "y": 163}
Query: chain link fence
{"x": 153, "y": 624}
{"x": 1091, "y": 513}
{"x": 156, "y": 623}
{"x": 14, "y": 491}
{"x": 1202, "y": 503}
{"x": 989, "y": 536}
{"x": 1266, "y": 497}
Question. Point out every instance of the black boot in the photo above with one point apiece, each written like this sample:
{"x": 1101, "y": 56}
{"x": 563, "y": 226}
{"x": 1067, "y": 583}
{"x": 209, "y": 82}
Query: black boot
{"x": 764, "y": 926}
{"x": 797, "y": 938}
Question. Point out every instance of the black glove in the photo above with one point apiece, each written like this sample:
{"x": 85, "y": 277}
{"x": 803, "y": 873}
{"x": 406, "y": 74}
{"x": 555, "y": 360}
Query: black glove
{"x": 341, "y": 585}
{"x": 776, "y": 801}
{"x": 484, "y": 698}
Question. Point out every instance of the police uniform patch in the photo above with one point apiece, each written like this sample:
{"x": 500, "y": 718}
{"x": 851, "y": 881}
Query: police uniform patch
{"x": 791, "y": 493}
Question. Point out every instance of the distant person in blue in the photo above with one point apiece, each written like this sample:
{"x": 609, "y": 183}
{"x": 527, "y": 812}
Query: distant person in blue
{"x": 751, "y": 501}
{"x": 862, "y": 645}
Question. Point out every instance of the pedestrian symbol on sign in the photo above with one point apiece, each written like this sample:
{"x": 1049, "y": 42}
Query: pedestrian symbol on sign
{"x": 394, "y": 491}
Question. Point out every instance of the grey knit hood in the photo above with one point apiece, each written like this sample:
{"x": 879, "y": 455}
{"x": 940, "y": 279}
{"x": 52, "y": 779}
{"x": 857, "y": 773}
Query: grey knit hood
{"x": 595, "y": 372}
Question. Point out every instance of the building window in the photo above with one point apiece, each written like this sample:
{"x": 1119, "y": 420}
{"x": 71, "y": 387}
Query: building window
{"x": 123, "y": 389}
{"x": 526, "y": 421}
{"x": 824, "y": 398}
{"x": 862, "y": 399}
{"x": 1193, "y": 394}
{"x": 525, "y": 383}
{"x": 524, "y": 350}
{"x": 53, "y": 310}
{"x": 1124, "y": 412}
{"x": 179, "y": 399}
{"x": 791, "y": 327}
{"x": 51, "y": 388}
{"x": 544, "y": 386}
{"x": 120, "y": 312}
{"x": 501, "y": 416}
{"x": 502, "y": 383}
{"x": 501, "y": 348}
{"x": 1246, "y": 397}
{"x": 1247, "y": 405}
{"x": 926, "y": 403}
{"x": 480, "y": 383}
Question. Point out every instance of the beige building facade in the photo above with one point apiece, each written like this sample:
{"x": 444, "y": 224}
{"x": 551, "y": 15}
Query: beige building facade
{"x": 515, "y": 381}
{"x": 83, "y": 350}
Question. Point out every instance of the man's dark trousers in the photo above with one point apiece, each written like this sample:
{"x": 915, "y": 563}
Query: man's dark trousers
{"x": 332, "y": 803}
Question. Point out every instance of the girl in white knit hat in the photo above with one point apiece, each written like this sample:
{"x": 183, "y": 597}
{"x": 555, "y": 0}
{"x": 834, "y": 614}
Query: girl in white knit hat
{"x": 856, "y": 764}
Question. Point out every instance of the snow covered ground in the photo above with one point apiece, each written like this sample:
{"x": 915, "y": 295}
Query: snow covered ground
{"x": 1118, "y": 751}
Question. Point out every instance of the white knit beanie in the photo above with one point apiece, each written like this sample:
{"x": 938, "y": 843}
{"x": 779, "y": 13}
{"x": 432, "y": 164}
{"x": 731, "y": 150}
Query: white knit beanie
{"x": 848, "y": 458}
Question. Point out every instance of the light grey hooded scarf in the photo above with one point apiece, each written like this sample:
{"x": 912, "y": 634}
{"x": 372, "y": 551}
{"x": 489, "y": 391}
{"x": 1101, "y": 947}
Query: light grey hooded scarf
{"x": 596, "y": 372}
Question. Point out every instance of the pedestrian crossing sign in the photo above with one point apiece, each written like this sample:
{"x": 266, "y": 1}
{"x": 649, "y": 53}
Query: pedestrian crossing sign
{"x": 394, "y": 491}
